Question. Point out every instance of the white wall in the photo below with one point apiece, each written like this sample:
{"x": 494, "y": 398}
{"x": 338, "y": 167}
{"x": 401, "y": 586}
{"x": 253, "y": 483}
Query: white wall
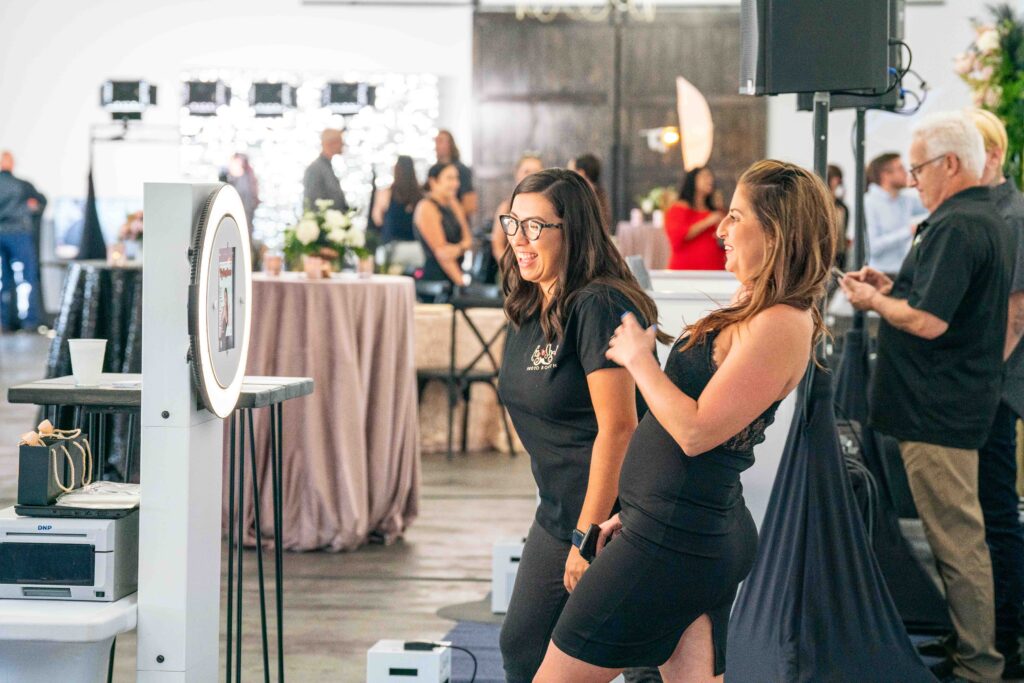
{"x": 54, "y": 54}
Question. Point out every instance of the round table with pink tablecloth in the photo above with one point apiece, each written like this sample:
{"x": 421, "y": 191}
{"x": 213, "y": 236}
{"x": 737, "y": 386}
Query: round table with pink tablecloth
{"x": 351, "y": 450}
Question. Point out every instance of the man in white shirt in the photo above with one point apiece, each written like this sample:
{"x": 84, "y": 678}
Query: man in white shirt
{"x": 890, "y": 213}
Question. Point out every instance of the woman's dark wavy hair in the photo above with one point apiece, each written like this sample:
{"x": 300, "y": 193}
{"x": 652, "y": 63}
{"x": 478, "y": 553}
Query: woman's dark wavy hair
{"x": 588, "y": 256}
{"x": 434, "y": 172}
{"x": 688, "y": 189}
{"x": 406, "y": 189}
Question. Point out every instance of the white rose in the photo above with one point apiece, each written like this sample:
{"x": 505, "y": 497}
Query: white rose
{"x": 337, "y": 235}
{"x": 992, "y": 97}
{"x": 356, "y": 239}
{"x": 988, "y": 41}
{"x": 334, "y": 219}
{"x": 322, "y": 204}
{"x": 963, "y": 64}
{"x": 307, "y": 231}
{"x": 647, "y": 205}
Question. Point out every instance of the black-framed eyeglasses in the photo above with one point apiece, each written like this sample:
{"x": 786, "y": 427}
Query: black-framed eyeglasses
{"x": 913, "y": 171}
{"x": 532, "y": 227}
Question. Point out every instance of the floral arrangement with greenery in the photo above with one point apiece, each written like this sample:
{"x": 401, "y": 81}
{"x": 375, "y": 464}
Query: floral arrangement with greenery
{"x": 993, "y": 67}
{"x": 325, "y": 232}
{"x": 658, "y": 198}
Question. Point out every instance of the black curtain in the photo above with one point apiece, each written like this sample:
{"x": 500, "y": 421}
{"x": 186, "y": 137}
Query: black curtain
{"x": 815, "y": 607}
{"x": 92, "y": 245}
{"x": 917, "y": 598}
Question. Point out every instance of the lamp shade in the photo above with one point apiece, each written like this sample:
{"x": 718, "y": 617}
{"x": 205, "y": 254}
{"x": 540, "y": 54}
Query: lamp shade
{"x": 695, "y": 125}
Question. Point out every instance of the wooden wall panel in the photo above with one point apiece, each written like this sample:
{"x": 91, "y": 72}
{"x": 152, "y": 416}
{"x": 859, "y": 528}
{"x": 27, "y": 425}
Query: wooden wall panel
{"x": 550, "y": 88}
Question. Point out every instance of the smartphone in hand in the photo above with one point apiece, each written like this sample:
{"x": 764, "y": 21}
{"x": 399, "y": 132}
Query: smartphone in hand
{"x": 588, "y": 548}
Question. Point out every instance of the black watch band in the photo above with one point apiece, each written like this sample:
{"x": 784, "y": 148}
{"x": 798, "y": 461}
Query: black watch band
{"x": 577, "y": 537}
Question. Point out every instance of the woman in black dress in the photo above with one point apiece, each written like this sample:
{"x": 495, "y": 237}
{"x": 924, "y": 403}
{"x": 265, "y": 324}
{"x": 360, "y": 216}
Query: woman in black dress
{"x": 660, "y": 592}
{"x": 441, "y": 226}
{"x": 575, "y": 410}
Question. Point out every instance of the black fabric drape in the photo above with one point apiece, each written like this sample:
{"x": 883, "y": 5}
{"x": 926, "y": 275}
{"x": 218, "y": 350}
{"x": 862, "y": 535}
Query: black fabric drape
{"x": 92, "y": 245}
{"x": 101, "y": 302}
{"x": 815, "y": 607}
{"x": 852, "y": 378}
{"x": 920, "y": 604}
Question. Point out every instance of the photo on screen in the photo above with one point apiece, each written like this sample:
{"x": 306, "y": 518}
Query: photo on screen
{"x": 226, "y": 299}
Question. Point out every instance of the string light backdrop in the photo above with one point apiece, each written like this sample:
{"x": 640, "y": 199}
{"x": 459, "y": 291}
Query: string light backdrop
{"x": 403, "y": 120}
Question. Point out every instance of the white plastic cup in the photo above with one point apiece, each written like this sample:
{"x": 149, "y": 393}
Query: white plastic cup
{"x": 87, "y": 360}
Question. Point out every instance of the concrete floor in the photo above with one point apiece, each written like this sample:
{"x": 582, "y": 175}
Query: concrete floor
{"x": 338, "y": 605}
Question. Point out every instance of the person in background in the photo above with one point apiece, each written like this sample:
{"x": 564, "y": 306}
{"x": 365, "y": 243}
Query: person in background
{"x": 997, "y": 459}
{"x": 20, "y": 202}
{"x": 527, "y": 165}
{"x": 566, "y": 288}
{"x": 319, "y": 181}
{"x": 241, "y": 177}
{"x": 589, "y": 166}
{"x": 441, "y": 226}
{"x": 448, "y": 153}
{"x": 690, "y": 224}
{"x": 834, "y": 175}
{"x": 393, "y": 206}
{"x": 890, "y": 213}
{"x": 938, "y": 377}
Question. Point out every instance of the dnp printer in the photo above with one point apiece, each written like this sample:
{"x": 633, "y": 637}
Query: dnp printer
{"x": 67, "y": 558}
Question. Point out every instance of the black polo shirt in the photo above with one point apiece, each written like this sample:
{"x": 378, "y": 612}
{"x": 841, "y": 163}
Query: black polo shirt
{"x": 945, "y": 391}
{"x": 544, "y": 387}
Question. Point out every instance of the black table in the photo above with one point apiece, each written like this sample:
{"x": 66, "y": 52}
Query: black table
{"x": 125, "y": 399}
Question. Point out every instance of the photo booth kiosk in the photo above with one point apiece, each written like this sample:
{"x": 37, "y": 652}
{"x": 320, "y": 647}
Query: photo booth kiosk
{"x": 197, "y": 290}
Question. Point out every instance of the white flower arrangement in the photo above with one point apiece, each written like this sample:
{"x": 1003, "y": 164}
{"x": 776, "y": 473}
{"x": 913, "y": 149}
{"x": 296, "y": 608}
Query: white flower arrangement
{"x": 326, "y": 232}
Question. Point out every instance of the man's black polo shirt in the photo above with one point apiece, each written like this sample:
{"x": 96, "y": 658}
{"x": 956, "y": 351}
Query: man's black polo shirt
{"x": 945, "y": 391}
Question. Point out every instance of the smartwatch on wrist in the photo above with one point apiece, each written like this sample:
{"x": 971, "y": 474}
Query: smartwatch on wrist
{"x": 587, "y": 541}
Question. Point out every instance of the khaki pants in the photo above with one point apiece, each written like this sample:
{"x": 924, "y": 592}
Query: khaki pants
{"x": 944, "y": 483}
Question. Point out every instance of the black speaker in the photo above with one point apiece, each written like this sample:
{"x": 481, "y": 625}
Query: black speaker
{"x": 814, "y": 45}
{"x": 891, "y": 100}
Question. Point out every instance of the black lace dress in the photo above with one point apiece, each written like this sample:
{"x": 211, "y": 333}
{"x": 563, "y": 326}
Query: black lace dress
{"x": 687, "y": 541}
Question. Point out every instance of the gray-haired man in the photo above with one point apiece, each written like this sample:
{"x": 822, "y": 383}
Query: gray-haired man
{"x": 938, "y": 378}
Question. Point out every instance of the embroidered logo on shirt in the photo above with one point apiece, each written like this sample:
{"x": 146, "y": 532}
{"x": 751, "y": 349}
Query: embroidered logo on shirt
{"x": 543, "y": 359}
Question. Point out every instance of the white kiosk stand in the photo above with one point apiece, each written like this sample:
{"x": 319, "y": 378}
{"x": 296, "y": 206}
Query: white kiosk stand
{"x": 196, "y": 292}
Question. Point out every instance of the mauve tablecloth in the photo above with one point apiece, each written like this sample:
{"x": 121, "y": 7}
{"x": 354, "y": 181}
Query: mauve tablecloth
{"x": 351, "y": 450}
{"x": 644, "y": 240}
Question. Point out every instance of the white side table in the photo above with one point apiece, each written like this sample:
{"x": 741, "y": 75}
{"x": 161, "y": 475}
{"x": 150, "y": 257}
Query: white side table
{"x": 42, "y": 641}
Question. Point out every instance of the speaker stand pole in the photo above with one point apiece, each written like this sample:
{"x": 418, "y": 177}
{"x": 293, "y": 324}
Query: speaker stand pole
{"x": 859, "y": 224}
{"x": 821, "y": 107}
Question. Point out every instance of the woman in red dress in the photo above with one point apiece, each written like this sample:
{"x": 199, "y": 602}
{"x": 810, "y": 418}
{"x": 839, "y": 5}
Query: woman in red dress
{"x": 690, "y": 224}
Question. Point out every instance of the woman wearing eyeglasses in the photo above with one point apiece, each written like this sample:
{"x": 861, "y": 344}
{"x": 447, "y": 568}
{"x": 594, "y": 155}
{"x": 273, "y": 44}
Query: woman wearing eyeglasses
{"x": 660, "y": 593}
{"x": 566, "y": 290}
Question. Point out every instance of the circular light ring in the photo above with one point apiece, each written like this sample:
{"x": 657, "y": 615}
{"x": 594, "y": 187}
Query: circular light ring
{"x": 219, "y": 394}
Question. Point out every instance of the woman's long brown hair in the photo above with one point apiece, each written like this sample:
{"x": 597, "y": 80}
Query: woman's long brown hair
{"x": 588, "y": 256}
{"x": 797, "y": 213}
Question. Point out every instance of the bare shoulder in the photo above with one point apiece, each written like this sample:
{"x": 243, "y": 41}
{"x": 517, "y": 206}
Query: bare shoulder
{"x": 425, "y": 207}
{"x": 781, "y": 318}
{"x": 782, "y": 329}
